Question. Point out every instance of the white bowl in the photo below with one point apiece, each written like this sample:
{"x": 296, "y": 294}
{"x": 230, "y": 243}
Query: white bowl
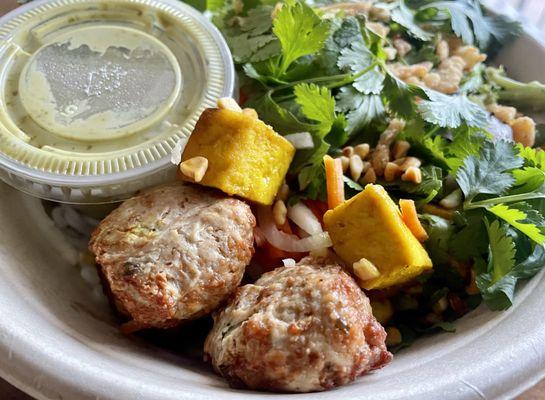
{"x": 58, "y": 341}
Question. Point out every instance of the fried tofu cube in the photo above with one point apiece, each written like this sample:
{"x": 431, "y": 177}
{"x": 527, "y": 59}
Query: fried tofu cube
{"x": 369, "y": 226}
{"x": 246, "y": 157}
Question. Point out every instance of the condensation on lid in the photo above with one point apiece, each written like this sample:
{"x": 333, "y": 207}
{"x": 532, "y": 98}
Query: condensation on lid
{"x": 100, "y": 83}
{"x": 96, "y": 93}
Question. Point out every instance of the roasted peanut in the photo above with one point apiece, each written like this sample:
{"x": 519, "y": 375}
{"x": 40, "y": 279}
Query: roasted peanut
{"x": 370, "y": 176}
{"x": 194, "y": 168}
{"x": 279, "y": 212}
{"x": 356, "y": 167}
{"x": 412, "y": 174}
{"x": 228, "y": 103}
{"x": 362, "y": 150}
{"x": 400, "y": 149}
{"x": 524, "y": 131}
{"x": 391, "y": 172}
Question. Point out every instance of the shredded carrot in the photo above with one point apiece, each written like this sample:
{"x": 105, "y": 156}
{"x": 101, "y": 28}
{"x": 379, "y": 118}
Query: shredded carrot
{"x": 410, "y": 217}
{"x": 334, "y": 181}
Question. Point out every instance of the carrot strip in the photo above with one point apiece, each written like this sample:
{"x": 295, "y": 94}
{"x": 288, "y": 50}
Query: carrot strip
{"x": 334, "y": 181}
{"x": 410, "y": 217}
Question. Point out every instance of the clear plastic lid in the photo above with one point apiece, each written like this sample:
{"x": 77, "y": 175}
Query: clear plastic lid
{"x": 94, "y": 95}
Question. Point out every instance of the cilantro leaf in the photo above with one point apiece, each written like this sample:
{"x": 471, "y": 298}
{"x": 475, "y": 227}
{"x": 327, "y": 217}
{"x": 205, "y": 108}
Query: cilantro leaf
{"x": 300, "y": 31}
{"x": 473, "y": 232}
{"x": 440, "y": 232}
{"x": 498, "y": 281}
{"x": 360, "y": 109}
{"x": 521, "y": 220}
{"x": 351, "y": 184}
{"x": 250, "y": 38}
{"x": 283, "y": 120}
{"x": 317, "y": 104}
{"x": 487, "y": 174}
{"x": 344, "y": 32}
{"x": 528, "y": 179}
{"x": 400, "y": 96}
{"x": 357, "y": 58}
{"x": 465, "y": 142}
{"x": 431, "y": 185}
{"x": 469, "y": 23}
{"x": 451, "y": 111}
{"x": 497, "y": 284}
{"x": 532, "y": 157}
{"x": 405, "y": 17}
{"x": 253, "y": 49}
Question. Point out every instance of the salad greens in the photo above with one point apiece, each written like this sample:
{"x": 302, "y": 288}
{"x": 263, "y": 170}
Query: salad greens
{"x": 313, "y": 68}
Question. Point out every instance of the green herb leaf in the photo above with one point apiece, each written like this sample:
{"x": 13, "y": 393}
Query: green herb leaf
{"x": 360, "y": 109}
{"x": 250, "y": 38}
{"x": 466, "y": 141}
{"x": 351, "y": 184}
{"x": 469, "y": 23}
{"x": 497, "y": 284}
{"x": 440, "y": 232}
{"x": 528, "y": 179}
{"x": 521, "y": 220}
{"x": 487, "y": 174}
{"x": 344, "y": 32}
{"x": 431, "y": 185}
{"x": 300, "y": 31}
{"x": 532, "y": 157}
{"x": 358, "y": 58}
{"x": 473, "y": 232}
{"x": 400, "y": 96}
{"x": 317, "y": 104}
{"x": 271, "y": 112}
{"x": 405, "y": 17}
{"x": 451, "y": 111}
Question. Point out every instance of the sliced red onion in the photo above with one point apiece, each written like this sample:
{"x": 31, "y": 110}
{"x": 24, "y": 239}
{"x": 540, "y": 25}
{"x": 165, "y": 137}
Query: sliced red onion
{"x": 301, "y": 140}
{"x": 304, "y": 218}
{"x": 285, "y": 241}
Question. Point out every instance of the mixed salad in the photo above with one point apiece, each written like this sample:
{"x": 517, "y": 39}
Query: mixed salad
{"x": 399, "y": 94}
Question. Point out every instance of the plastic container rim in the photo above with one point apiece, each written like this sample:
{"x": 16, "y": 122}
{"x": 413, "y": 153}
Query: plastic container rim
{"x": 16, "y": 168}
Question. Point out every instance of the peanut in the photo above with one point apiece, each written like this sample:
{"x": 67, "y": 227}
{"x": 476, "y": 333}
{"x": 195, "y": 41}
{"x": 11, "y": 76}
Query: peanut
{"x": 348, "y": 151}
{"x": 365, "y": 269}
{"x": 524, "y": 131}
{"x": 228, "y": 103}
{"x": 345, "y": 162}
{"x": 471, "y": 56}
{"x": 362, "y": 150}
{"x": 283, "y": 192}
{"x": 356, "y": 167}
{"x": 194, "y": 168}
{"x": 442, "y": 50}
{"x": 250, "y": 112}
{"x": 402, "y": 47}
{"x": 391, "y": 171}
{"x": 279, "y": 212}
{"x": 413, "y": 174}
{"x": 370, "y": 176}
{"x": 400, "y": 149}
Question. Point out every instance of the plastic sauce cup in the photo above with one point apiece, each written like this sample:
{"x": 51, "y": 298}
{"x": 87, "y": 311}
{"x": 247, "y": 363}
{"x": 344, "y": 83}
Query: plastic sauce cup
{"x": 95, "y": 94}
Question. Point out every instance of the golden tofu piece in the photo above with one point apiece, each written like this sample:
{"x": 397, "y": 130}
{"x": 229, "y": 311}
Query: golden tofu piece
{"x": 246, "y": 157}
{"x": 369, "y": 226}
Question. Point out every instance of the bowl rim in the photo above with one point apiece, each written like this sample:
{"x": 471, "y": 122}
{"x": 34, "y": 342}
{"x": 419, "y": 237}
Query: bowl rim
{"x": 22, "y": 345}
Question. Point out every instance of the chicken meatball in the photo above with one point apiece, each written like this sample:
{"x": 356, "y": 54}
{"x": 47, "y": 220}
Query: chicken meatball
{"x": 173, "y": 253}
{"x": 297, "y": 329}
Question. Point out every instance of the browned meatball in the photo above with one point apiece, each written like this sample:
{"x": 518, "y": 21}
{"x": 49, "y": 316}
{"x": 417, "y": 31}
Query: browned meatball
{"x": 299, "y": 329}
{"x": 174, "y": 253}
